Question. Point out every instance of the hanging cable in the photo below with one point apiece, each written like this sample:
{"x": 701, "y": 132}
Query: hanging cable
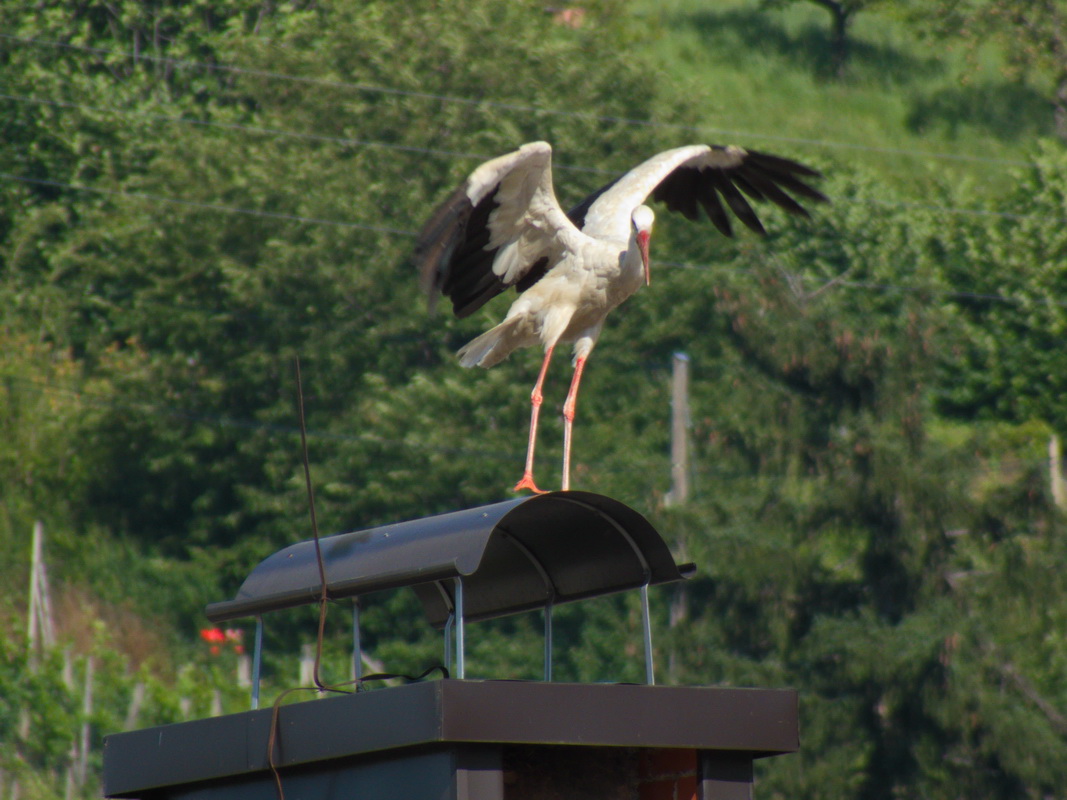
{"x": 204, "y": 205}
{"x": 521, "y": 107}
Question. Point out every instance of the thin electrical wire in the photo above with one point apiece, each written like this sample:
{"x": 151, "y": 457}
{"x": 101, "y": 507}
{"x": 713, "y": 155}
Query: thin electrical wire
{"x": 883, "y": 287}
{"x": 205, "y": 205}
{"x": 315, "y": 137}
{"x": 411, "y": 233}
{"x": 955, "y": 293}
{"x": 449, "y": 153}
{"x": 522, "y": 107}
{"x": 444, "y": 153}
{"x": 282, "y": 132}
{"x": 407, "y": 338}
{"x": 404, "y": 232}
{"x": 370, "y": 143}
{"x": 396, "y": 231}
{"x": 975, "y": 212}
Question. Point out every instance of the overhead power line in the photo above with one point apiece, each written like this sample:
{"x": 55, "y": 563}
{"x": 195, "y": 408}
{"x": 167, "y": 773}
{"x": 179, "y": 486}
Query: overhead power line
{"x": 943, "y": 291}
{"x": 406, "y": 232}
{"x": 411, "y": 233}
{"x": 155, "y": 198}
{"x": 337, "y": 84}
{"x": 974, "y": 212}
{"x": 282, "y": 132}
{"x": 511, "y": 106}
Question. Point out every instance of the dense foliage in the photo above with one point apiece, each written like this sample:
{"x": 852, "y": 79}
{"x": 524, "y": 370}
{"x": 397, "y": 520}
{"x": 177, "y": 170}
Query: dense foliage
{"x": 1033, "y": 37}
{"x": 196, "y": 193}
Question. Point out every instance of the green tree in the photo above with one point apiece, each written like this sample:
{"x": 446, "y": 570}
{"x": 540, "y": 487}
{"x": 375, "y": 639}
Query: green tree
{"x": 835, "y": 562}
{"x": 842, "y": 14}
{"x": 1004, "y": 361}
{"x": 1032, "y": 35}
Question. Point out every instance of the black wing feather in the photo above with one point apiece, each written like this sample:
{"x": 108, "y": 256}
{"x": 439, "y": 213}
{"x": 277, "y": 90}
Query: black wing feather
{"x": 679, "y": 192}
{"x": 760, "y": 176}
{"x": 798, "y": 186}
{"x": 723, "y": 185}
{"x": 780, "y": 165}
{"x": 744, "y": 183}
{"x": 775, "y": 195}
{"x": 439, "y": 238}
{"x": 713, "y": 208}
{"x": 451, "y": 253}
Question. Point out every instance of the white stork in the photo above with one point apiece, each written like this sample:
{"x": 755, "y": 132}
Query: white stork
{"x": 504, "y": 227}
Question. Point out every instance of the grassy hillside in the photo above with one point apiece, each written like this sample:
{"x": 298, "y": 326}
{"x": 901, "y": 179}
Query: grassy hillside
{"x": 913, "y": 109}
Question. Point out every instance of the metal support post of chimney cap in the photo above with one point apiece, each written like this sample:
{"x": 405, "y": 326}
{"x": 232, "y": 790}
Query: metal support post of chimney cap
{"x": 460, "y": 654}
{"x": 646, "y": 617}
{"x": 357, "y": 647}
{"x": 257, "y": 660}
{"x": 448, "y": 642}
{"x": 551, "y": 593}
{"x": 548, "y": 642}
{"x": 646, "y": 624}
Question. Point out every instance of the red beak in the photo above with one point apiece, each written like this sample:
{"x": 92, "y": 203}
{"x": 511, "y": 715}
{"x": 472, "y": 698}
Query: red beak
{"x": 642, "y": 245}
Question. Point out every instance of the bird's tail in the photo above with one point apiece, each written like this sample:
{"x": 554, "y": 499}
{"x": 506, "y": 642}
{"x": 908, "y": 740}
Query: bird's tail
{"x": 493, "y": 346}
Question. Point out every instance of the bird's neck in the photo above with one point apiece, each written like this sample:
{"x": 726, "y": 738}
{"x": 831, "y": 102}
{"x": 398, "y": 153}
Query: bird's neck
{"x": 633, "y": 269}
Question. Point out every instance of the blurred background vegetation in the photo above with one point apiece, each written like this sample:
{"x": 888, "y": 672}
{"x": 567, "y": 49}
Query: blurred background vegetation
{"x": 193, "y": 193}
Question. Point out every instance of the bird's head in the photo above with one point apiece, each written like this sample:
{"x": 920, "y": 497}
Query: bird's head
{"x": 642, "y": 219}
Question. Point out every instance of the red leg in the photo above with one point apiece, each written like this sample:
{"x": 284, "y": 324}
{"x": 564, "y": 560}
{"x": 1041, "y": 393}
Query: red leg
{"x": 536, "y": 398}
{"x": 568, "y": 420}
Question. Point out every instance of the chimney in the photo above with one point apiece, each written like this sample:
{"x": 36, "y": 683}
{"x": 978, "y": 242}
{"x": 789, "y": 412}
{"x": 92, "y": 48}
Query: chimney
{"x": 458, "y": 737}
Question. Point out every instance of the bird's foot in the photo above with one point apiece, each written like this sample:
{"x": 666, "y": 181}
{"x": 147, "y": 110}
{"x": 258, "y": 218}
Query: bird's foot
{"x": 527, "y": 482}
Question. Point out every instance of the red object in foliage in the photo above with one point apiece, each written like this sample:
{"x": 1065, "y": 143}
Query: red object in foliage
{"x": 217, "y": 637}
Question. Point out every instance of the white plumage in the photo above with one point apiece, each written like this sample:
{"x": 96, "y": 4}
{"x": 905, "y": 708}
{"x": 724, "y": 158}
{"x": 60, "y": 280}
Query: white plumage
{"x": 504, "y": 227}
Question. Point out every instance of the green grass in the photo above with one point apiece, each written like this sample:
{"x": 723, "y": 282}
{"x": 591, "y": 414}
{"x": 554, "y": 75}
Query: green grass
{"x": 764, "y": 79}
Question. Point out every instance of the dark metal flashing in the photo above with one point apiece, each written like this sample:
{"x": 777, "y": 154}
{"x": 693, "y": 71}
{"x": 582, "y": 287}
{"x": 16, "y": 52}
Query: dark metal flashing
{"x": 513, "y": 556}
{"x": 751, "y": 723}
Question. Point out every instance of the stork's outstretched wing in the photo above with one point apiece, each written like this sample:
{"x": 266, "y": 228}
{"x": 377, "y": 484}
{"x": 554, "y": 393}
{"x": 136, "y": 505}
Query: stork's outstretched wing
{"x": 699, "y": 176}
{"x": 502, "y": 227}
